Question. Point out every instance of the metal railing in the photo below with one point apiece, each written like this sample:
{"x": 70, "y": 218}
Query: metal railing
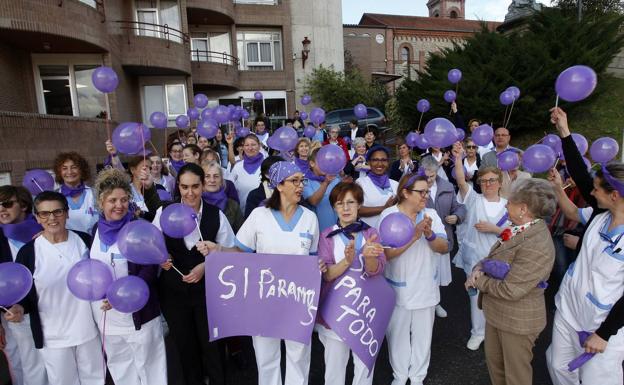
{"x": 164, "y": 32}
{"x": 199, "y": 55}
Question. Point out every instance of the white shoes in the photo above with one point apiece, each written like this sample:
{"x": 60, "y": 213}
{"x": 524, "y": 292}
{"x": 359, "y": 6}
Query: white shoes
{"x": 440, "y": 312}
{"x": 474, "y": 342}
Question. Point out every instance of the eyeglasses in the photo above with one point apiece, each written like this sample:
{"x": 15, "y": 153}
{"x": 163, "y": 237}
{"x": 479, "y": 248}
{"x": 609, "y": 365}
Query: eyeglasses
{"x": 423, "y": 193}
{"x": 471, "y": 147}
{"x": 46, "y": 214}
{"x": 378, "y": 160}
{"x": 501, "y": 135}
{"x": 297, "y": 182}
{"x": 345, "y": 204}
{"x": 488, "y": 181}
{"x": 8, "y": 204}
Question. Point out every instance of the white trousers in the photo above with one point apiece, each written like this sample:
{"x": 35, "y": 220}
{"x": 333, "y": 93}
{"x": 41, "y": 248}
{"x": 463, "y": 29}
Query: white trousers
{"x": 25, "y": 361}
{"x": 268, "y": 357}
{"x": 409, "y": 344}
{"x": 603, "y": 369}
{"x": 337, "y": 357}
{"x": 138, "y": 358}
{"x": 75, "y": 365}
{"x": 477, "y": 317}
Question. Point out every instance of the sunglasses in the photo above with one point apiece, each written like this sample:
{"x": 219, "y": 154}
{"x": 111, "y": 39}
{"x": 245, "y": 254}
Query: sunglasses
{"x": 43, "y": 215}
{"x": 471, "y": 147}
{"x": 8, "y": 204}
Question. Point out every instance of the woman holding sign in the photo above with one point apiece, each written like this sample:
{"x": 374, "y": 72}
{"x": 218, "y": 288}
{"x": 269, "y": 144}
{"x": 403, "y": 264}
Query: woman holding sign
{"x": 339, "y": 245}
{"x": 282, "y": 226}
{"x": 412, "y": 271}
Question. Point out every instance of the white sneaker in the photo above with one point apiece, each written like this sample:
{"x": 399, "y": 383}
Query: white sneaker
{"x": 474, "y": 342}
{"x": 440, "y": 312}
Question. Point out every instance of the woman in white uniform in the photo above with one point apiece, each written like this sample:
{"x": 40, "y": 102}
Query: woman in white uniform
{"x": 340, "y": 248}
{"x": 246, "y": 174}
{"x": 379, "y": 190}
{"x": 282, "y": 226}
{"x": 62, "y": 325}
{"x": 412, "y": 271}
{"x": 594, "y": 283}
{"x": 135, "y": 348}
{"x": 486, "y": 219}
{"x": 71, "y": 170}
{"x": 17, "y": 227}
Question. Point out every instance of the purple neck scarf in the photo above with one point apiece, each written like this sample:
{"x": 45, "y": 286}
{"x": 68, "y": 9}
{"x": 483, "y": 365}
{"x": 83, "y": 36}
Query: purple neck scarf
{"x": 310, "y": 175}
{"x": 177, "y": 164}
{"x": 23, "y": 231}
{"x": 108, "y": 230}
{"x": 350, "y": 229}
{"x": 303, "y": 165}
{"x": 251, "y": 164}
{"x": 381, "y": 181}
{"x": 72, "y": 191}
{"x": 218, "y": 198}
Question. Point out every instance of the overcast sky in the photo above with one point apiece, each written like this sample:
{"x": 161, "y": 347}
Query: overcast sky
{"x": 492, "y": 10}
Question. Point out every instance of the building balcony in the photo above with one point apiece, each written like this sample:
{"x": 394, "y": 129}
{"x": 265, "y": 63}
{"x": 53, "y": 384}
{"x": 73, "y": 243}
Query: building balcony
{"x": 55, "y": 26}
{"x": 153, "y": 49}
{"x": 261, "y": 13}
{"x": 216, "y": 69}
{"x": 263, "y": 80}
{"x": 211, "y": 12}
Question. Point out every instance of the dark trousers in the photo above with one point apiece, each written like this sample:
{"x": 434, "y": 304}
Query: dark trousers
{"x": 188, "y": 325}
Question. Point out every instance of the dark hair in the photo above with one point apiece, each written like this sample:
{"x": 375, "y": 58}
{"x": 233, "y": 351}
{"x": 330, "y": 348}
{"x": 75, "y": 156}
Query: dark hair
{"x": 274, "y": 202}
{"x": 239, "y": 142}
{"x": 266, "y": 165}
{"x": 20, "y": 193}
{"x": 174, "y": 142}
{"x": 75, "y": 157}
{"x": 135, "y": 161}
{"x": 342, "y": 188}
{"x": 408, "y": 181}
{"x": 291, "y": 121}
{"x": 616, "y": 169}
{"x": 47, "y": 196}
{"x": 194, "y": 148}
{"x": 372, "y": 129}
{"x": 354, "y": 121}
{"x": 193, "y": 169}
{"x": 259, "y": 119}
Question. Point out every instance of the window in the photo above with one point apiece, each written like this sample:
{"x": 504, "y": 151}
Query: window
{"x": 153, "y": 15}
{"x": 90, "y": 3}
{"x": 260, "y": 50}
{"x": 5, "y": 178}
{"x": 169, "y": 98}
{"x": 211, "y": 46}
{"x": 64, "y": 86}
{"x": 453, "y": 15}
{"x": 405, "y": 54}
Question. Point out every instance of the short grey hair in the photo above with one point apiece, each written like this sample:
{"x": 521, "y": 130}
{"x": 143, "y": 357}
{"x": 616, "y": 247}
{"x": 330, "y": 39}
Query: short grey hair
{"x": 537, "y": 194}
{"x": 429, "y": 163}
{"x": 208, "y": 164}
{"x": 359, "y": 142}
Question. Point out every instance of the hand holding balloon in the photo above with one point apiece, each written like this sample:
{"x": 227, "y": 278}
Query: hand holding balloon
{"x": 559, "y": 118}
{"x": 105, "y": 305}
{"x": 207, "y": 247}
{"x": 196, "y": 274}
{"x": 15, "y": 313}
{"x": 110, "y": 148}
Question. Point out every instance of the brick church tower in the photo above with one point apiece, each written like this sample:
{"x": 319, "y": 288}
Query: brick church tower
{"x": 448, "y": 9}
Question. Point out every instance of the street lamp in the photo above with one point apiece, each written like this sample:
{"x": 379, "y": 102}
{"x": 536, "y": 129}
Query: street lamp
{"x": 306, "y": 50}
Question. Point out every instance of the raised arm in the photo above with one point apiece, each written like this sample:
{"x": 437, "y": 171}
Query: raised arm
{"x": 568, "y": 208}
{"x": 458, "y": 152}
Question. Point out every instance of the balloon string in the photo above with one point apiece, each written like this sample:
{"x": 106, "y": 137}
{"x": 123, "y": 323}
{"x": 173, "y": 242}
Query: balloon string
{"x": 6, "y": 310}
{"x": 144, "y": 160}
{"x": 104, "y": 342}
{"x": 108, "y": 130}
{"x": 36, "y": 184}
{"x": 165, "y": 142}
{"x": 557, "y": 101}
{"x": 419, "y": 122}
{"x": 154, "y": 147}
{"x": 197, "y": 227}
{"x": 505, "y": 116}
{"x": 509, "y": 117}
{"x": 176, "y": 269}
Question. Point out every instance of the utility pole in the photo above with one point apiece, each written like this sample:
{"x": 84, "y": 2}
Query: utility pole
{"x": 579, "y": 4}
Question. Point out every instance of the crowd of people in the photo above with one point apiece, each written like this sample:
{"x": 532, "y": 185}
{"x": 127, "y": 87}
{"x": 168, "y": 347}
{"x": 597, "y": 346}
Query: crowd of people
{"x": 505, "y": 229}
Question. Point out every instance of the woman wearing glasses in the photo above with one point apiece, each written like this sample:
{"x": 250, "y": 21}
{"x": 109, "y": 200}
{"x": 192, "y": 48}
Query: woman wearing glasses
{"x": 379, "y": 190}
{"x": 17, "y": 227}
{"x": 282, "y": 226}
{"x": 246, "y": 174}
{"x": 62, "y": 325}
{"x": 486, "y": 219}
{"x": 471, "y": 162}
{"x": 71, "y": 171}
{"x": 412, "y": 272}
{"x": 334, "y": 138}
{"x": 175, "y": 157}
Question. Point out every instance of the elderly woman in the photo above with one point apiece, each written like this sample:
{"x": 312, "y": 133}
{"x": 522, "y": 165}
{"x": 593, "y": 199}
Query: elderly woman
{"x": 358, "y": 167}
{"x": 339, "y": 248}
{"x": 246, "y": 174}
{"x": 62, "y": 325}
{"x": 443, "y": 200}
{"x": 379, "y": 190}
{"x": 135, "y": 348}
{"x": 215, "y": 194}
{"x": 282, "y": 226}
{"x": 513, "y": 300}
{"x": 334, "y": 138}
{"x": 71, "y": 171}
{"x": 405, "y": 164}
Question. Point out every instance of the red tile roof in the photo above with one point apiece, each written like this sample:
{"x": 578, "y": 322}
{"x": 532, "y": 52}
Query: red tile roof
{"x": 424, "y": 23}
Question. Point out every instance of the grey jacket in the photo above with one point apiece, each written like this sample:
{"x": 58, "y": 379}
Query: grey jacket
{"x": 446, "y": 204}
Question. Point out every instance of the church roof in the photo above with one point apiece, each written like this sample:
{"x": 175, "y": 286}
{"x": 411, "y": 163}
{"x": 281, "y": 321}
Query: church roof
{"x": 424, "y": 23}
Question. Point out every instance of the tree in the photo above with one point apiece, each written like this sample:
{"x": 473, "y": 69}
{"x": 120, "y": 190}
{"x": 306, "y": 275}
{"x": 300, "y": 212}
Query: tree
{"x": 531, "y": 60}
{"x": 591, "y": 7}
{"x": 334, "y": 89}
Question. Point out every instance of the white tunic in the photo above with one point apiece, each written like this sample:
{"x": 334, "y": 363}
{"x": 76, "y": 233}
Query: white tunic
{"x": 138, "y": 199}
{"x": 414, "y": 274}
{"x": 244, "y": 182}
{"x": 374, "y": 196}
{"x": 83, "y": 214}
{"x": 66, "y": 321}
{"x": 471, "y": 169}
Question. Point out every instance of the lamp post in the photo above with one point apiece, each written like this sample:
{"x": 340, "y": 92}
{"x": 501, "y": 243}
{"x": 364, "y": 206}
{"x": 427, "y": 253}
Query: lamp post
{"x": 305, "y": 51}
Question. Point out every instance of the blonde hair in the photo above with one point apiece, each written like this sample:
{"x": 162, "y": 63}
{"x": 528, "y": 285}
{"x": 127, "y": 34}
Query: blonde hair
{"x": 108, "y": 180}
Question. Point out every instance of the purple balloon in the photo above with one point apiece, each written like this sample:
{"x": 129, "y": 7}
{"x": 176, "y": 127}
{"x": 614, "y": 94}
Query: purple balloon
{"x": 552, "y": 141}
{"x": 411, "y": 139}
{"x": 423, "y": 105}
{"x": 538, "y": 158}
{"x": 581, "y": 143}
{"x": 158, "y": 120}
{"x": 508, "y": 160}
{"x": 515, "y": 91}
{"x": 178, "y": 220}
{"x": 396, "y": 230}
{"x": 192, "y": 113}
{"x": 454, "y": 76}
{"x": 37, "y": 181}
{"x": 460, "y": 133}
{"x": 258, "y": 95}
{"x": 182, "y": 121}
{"x": 15, "y": 283}
{"x": 164, "y": 195}
{"x": 422, "y": 143}
{"x": 482, "y": 135}
{"x": 283, "y": 139}
{"x": 317, "y": 115}
{"x": 440, "y": 132}
{"x": 207, "y": 113}
{"x": 347, "y": 140}
{"x": 242, "y": 132}
{"x": 331, "y": 159}
{"x": 208, "y": 128}
{"x": 89, "y": 279}
{"x": 200, "y": 100}
{"x": 306, "y": 99}
{"x": 360, "y": 111}
{"x": 309, "y": 131}
{"x": 105, "y": 79}
{"x": 603, "y": 150}
{"x": 576, "y": 83}
{"x": 303, "y": 115}
{"x": 141, "y": 242}
{"x": 221, "y": 114}
{"x": 130, "y": 137}
{"x": 245, "y": 114}
{"x": 450, "y": 96}
{"x": 506, "y": 98}
{"x": 128, "y": 294}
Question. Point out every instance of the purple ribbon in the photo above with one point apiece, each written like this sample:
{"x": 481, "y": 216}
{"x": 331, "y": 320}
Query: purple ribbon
{"x": 381, "y": 181}
{"x": 177, "y": 164}
{"x": 616, "y": 184}
{"x": 583, "y": 358}
{"x": 23, "y": 231}
{"x": 107, "y": 230}
{"x": 218, "y": 198}
{"x": 498, "y": 269}
{"x": 72, "y": 191}
{"x": 252, "y": 163}
{"x": 349, "y": 229}
{"x": 503, "y": 219}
